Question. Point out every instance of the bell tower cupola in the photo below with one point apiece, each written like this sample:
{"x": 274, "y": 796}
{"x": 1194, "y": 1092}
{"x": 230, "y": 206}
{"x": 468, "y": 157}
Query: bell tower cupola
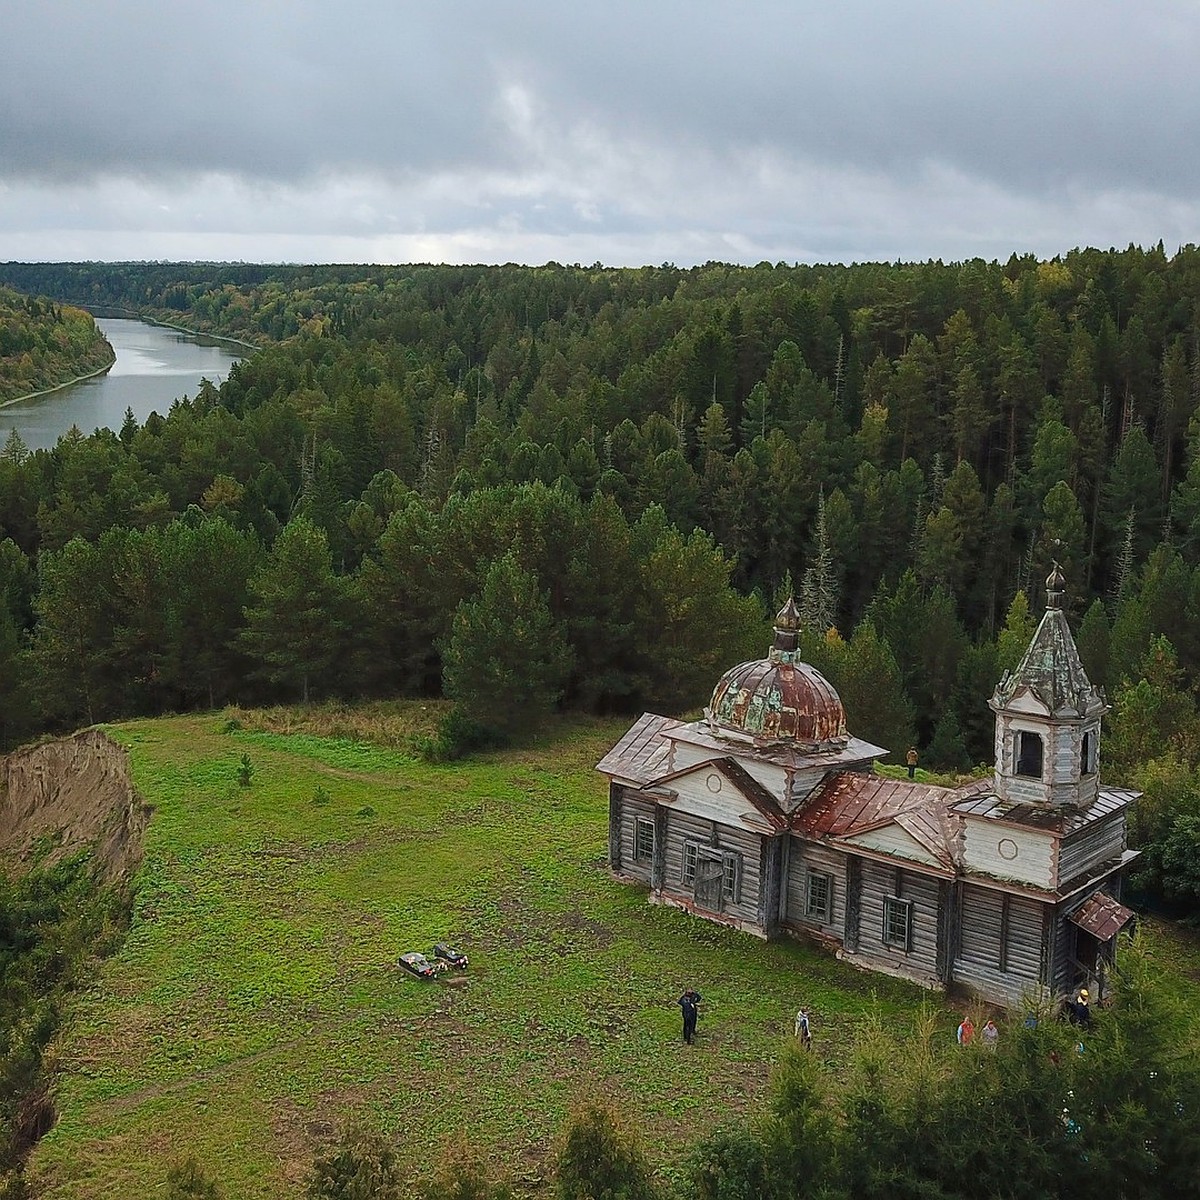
{"x": 1048, "y": 717}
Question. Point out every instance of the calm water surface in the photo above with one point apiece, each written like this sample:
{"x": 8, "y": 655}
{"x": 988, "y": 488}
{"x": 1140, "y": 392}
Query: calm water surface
{"x": 154, "y": 367}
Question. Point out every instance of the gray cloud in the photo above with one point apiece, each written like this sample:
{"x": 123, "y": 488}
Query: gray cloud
{"x": 662, "y": 130}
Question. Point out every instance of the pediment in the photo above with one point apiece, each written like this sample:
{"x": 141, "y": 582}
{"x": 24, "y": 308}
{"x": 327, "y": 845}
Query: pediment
{"x": 894, "y": 840}
{"x": 1025, "y": 700}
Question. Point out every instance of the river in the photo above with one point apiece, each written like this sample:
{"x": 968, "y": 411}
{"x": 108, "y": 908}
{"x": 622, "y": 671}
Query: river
{"x": 155, "y": 366}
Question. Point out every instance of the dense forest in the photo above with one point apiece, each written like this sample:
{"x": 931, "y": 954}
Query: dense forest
{"x": 44, "y": 344}
{"x": 536, "y": 488}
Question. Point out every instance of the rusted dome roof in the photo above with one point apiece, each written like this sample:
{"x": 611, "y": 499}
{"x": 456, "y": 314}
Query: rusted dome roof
{"x": 779, "y": 698}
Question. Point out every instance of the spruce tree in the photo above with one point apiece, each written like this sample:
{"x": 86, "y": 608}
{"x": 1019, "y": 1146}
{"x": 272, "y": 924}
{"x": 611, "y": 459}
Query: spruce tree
{"x": 505, "y": 661}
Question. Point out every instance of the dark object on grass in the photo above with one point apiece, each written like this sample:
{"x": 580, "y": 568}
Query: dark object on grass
{"x": 421, "y": 966}
{"x": 456, "y": 958}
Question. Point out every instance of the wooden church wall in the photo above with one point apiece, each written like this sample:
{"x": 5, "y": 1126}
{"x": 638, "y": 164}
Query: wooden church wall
{"x": 802, "y": 858}
{"x": 880, "y": 880}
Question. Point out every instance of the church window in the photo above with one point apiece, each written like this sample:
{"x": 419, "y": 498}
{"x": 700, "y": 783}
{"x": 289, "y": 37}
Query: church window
{"x": 1088, "y": 755}
{"x": 818, "y": 897}
{"x": 731, "y": 881}
{"x": 643, "y": 846}
{"x": 1029, "y": 754}
{"x": 897, "y": 923}
{"x": 690, "y": 853}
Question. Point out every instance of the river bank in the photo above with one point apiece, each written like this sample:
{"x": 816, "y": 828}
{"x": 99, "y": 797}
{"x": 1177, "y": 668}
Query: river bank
{"x": 155, "y": 366}
{"x": 132, "y": 315}
{"x": 58, "y": 387}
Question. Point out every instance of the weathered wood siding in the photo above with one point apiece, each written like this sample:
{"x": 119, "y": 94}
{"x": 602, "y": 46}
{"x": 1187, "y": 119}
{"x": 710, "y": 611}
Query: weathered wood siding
{"x": 632, "y": 807}
{"x": 1000, "y": 943}
{"x": 709, "y": 794}
{"x": 891, "y": 839}
{"x": 683, "y": 827}
{"x": 772, "y": 777}
{"x": 1090, "y": 847}
{"x": 1068, "y": 784}
{"x": 1061, "y": 972}
{"x": 803, "y": 782}
{"x": 1033, "y": 860}
{"x": 883, "y": 879}
{"x": 802, "y": 858}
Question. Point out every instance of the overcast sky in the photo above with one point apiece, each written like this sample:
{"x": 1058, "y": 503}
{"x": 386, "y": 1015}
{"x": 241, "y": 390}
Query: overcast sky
{"x": 625, "y": 132}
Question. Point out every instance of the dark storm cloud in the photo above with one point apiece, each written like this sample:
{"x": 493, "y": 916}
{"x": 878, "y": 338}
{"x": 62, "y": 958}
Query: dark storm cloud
{"x": 716, "y": 127}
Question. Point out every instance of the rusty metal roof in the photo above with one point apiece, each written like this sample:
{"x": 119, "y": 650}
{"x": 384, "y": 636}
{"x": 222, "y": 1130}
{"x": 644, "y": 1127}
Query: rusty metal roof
{"x": 1101, "y": 916}
{"x": 643, "y": 754}
{"x": 1061, "y": 819}
{"x": 850, "y": 802}
{"x": 789, "y": 755}
{"x": 779, "y": 698}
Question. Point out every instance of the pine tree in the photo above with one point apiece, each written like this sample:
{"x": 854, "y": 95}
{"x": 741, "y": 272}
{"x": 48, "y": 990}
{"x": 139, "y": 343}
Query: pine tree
{"x": 505, "y": 661}
{"x": 296, "y": 622}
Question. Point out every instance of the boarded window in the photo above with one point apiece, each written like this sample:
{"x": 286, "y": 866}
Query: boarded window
{"x": 818, "y": 897}
{"x": 643, "y": 843}
{"x": 897, "y": 923}
{"x": 1029, "y": 754}
{"x": 690, "y": 850}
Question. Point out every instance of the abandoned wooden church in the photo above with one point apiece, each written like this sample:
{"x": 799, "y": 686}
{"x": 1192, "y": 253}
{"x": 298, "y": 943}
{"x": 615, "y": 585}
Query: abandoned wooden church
{"x": 767, "y": 815}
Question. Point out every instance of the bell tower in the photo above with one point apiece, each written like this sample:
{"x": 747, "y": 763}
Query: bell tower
{"x": 1048, "y": 717}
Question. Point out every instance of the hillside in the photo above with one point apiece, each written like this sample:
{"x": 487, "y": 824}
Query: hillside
{"x": 256, "y": 1003}
{"x": 44, "y": 345}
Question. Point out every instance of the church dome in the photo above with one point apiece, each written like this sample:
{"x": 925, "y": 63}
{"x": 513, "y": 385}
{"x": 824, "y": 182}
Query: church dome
{"x": 779, "y": 698}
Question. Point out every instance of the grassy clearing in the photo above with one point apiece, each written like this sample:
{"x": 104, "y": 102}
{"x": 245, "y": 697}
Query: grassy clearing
{"x": 256, "y": 1002}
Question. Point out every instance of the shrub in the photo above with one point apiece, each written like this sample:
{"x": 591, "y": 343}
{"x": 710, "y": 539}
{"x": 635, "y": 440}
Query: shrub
{"x": 599, "y": 1160}
{"x": 362, "y": 1165}
{"x": 188, "y": 1180}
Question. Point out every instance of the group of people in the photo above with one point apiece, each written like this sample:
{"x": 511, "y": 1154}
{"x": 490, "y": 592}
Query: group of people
{"x": 689, "y": 1006}
{"x": 965, "y": 1034}
{"x": 1077, "y": 1011}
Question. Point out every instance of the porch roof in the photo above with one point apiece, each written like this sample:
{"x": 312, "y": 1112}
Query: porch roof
{"x": 1101, "y": 916}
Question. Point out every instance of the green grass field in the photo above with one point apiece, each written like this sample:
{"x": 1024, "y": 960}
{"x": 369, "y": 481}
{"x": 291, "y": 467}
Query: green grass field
{"x": 256, "y": 1004}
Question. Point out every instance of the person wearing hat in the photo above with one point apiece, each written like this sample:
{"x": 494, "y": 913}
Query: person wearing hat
{"x": 1080, "y": 1010}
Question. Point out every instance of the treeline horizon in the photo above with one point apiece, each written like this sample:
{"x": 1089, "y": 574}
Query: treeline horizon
{"x": 590, "y": 488}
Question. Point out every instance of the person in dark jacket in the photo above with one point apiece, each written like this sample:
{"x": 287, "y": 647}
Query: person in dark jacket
{"x": 689, "y": 1003}
{"x": 1079, "y": 1010}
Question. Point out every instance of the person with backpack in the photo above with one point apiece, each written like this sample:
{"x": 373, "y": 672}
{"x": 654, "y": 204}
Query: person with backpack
{"x": 689, "y": 1003}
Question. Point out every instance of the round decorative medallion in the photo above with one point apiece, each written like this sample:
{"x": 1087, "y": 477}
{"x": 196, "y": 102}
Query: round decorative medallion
{"x": 714, "y": 782}
{"x": 1007, "y": 848}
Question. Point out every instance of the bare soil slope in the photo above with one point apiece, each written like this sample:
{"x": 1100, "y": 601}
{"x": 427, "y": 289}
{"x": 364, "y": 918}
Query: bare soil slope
{"x": 64, "y": 796}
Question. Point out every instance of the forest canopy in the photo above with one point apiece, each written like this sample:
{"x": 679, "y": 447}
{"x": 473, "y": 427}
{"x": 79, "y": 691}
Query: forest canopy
{"x": 641, "y": 463}
{"x": 44, "y": 345}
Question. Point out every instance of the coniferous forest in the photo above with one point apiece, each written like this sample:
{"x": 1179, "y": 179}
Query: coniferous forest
{"x": 569, "y": 487}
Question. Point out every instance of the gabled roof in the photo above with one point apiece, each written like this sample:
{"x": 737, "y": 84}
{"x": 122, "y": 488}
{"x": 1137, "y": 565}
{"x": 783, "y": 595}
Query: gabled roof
{"x": 754, "y": 791}
{"x": 847, "y": 803}
{"x": 643, "y": 754}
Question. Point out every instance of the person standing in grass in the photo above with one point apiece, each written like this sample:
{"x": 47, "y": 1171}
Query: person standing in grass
{"x": 804, "y": 1028}
{"x": 966, "y": 1031}
{"x": 689, "y": 1003}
